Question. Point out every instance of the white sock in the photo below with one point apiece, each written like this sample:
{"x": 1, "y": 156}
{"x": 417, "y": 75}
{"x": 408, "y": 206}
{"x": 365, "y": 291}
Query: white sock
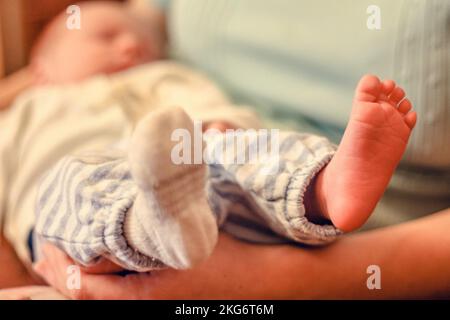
{"x": 170, "y": 219}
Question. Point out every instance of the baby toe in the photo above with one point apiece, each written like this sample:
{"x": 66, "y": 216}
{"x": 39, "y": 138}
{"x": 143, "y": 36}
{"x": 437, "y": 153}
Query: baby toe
{"x": 388, "y": 86}
{"x": 404, "y": 106}
{"x": 411, "y": 119}
{"x": 368, "y": 89}
{"x": 397, "y": 95}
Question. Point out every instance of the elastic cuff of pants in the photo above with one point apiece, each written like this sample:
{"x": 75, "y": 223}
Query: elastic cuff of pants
{"x": 111, "y": 229}
{"x": 301, "y": 228}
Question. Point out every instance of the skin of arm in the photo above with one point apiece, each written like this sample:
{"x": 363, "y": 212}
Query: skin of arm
{"x": 414, "y": 259}
{"x": 14, "y": 273}
{"x": 13, "y": 85}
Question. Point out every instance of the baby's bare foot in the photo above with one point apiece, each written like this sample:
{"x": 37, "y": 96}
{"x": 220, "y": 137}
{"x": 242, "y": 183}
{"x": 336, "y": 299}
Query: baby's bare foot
{"x": 380, "y": 124}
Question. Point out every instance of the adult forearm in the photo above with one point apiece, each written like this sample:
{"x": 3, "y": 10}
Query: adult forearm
{"x": 414, "y": 259}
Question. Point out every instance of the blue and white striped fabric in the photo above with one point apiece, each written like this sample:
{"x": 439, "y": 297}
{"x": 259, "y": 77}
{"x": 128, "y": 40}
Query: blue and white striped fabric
{"x": 83, "y": 201}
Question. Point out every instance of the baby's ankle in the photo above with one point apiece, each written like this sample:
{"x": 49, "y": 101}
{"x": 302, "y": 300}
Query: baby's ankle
{"x": 315, "y": 200}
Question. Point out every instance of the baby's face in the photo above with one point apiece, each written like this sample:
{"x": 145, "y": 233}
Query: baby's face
{"x": 110, "y": 40}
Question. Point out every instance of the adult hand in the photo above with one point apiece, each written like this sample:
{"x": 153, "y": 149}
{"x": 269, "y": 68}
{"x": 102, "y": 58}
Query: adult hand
{"x": 413, "y": 258}
{"x": 233, "y": 271}
{"x": 30, "y": 293}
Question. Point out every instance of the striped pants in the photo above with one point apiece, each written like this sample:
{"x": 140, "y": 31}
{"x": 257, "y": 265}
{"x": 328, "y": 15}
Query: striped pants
{"x": 83, "y": 201}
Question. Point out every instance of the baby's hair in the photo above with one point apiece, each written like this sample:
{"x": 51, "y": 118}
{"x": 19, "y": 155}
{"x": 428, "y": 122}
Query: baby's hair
{"x": 156, "y": 25}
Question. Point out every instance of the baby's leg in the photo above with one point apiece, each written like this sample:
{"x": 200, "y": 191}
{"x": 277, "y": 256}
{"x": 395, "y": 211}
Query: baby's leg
{"x": 375, "y": 139}
{"x": 82, "y": 206}
{"x": 267, "y": 196}
{"x": 171, "y": 206}
{"x": 346, "y": 190}
{"x": 144, "y": 214}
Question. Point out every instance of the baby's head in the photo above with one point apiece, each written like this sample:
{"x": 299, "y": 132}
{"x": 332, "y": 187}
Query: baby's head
{"x": 112, "y": 38}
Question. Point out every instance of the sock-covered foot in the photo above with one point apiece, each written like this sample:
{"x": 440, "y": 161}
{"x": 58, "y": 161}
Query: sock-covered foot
{"x": 373, "y": 144}
{"x": 170, "y": 219}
